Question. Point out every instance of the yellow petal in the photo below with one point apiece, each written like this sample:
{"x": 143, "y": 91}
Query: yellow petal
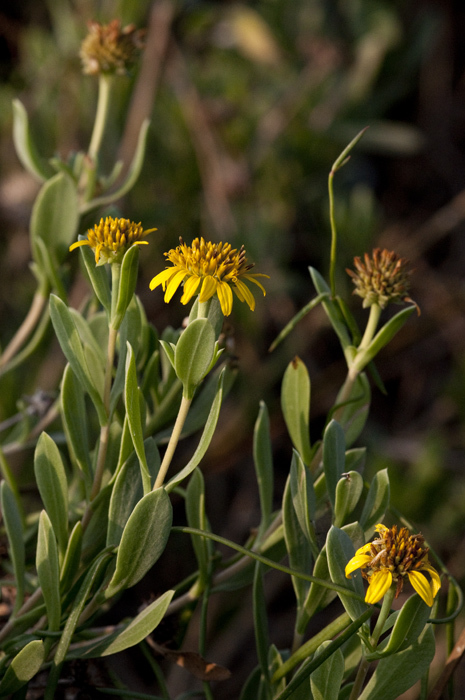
{"x": 357, "y": 562}
{"x": 140, "y": 243}
{"x": 380, "y": 583}
{"x": 422, "y": 586}
{"x": 208, "y": 288}
{"x": 381, "y": 528}
{"x": 173, "y": 284}
{"x": 251, "y": 278}
{"x": 162, "y": 277}
{"x": 435, "y": 578}
{"x": 225, "y": 297}
{"x": 246, "y": 294}
{"x": 363, "y": 550}
{"x": 190, "y": 288}
{"x": 79, "y": 243}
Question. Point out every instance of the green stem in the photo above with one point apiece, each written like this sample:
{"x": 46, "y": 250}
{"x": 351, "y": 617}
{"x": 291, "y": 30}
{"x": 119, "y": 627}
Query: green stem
{"x": 370, "y": 330}
{"x": 174, "y": 439}
{"x": 332, "y": 220}
{"x": 26, "y": 328}
{"x": 365, "y": 664}
{"x": 103, "y": 103}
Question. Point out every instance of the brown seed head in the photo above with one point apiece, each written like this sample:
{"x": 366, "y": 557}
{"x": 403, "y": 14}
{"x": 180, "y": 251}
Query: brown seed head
{"x": 382, "y": 278}
{"x": 108, "y": 48}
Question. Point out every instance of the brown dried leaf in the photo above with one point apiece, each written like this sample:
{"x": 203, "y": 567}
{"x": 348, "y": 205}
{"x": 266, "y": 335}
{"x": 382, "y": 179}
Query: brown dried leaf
{"x": 193, "y": 663}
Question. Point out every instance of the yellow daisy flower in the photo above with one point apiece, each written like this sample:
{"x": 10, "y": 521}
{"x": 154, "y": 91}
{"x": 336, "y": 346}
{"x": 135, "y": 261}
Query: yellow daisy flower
{"x": 392, "y": 557}
{"x": 208, "y": 269}
{"x": 110, "y": 239}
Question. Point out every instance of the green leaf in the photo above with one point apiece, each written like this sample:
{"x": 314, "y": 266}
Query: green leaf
{"x": 196, "y": 517}
{"x": 23, "y": 667}
{"x": 382, "y": 338}
{"x": 354, "y": 414}
{"x": 340, "y": 550}
{"x": 48, "y": 571}
{"x": 333, "y": 457}
{"x": 355, "y": 458}
{"x": 303, "y": 499}
{"x": 263, "y": 461}
{"x": 348, "y": 491}
{"x": 72, "y": 621}
{"x": 14, "y": 530}
{"x": 214, "y": 314}
{"x": 75, "y": 422}
{"x": 399, "y": 672}
{"x": 98, "y": 276}
{"x": 127, "y": 284}
{"x": 130, "y": 332}
{"x": 24, "y": 145}
{"x": 133, "y": 397}
{"x": 72, "y": 558}
{"x": 53, "y": 486}
{"x": 128, "y": 490}
{"x": 261, "y": 622}
{"x": 376, "y": 502}
{"x": 332, "y": 310}
{"x": 194, "y": 353}
{"x": 297, "y": 545}
{"x": 143, "y": 541}
{"x": 410, "y": 622}
{"x": 131, "y": 178}
{"x": 71, "y": 345}
{"x": 295, "y": 405}
{"x": 325, "y": 681}
{"x": 140, "y": 627}
{"x": 204, "y": 441}
{"x": 55, "y": 215}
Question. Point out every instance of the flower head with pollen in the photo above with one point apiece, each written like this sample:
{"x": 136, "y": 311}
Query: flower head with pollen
{"x": 208, "y": 269}
{"x": 390, "y": 558}
{"x": 108, "y": 48}
{"x": 383, "y": 278}
{"x": 111, "y": 238}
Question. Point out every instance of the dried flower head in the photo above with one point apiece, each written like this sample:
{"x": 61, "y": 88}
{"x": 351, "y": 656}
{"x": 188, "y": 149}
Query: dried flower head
{"x": 110, "y": 239}
{"x": 382, "y": 278}
{"x": 392, "y": 557}
{"x": 109, "y": 49}
{"x": 209, "y": 269}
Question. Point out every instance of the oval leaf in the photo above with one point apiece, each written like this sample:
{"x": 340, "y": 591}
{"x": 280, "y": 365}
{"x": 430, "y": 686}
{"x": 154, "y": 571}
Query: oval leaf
{"x": 53, "y": 486}
{"x": 143, "y": 541}
{"x": 194, "y": 353}
{"x": 23, "y": 667}
{"x": 295, "y": 405}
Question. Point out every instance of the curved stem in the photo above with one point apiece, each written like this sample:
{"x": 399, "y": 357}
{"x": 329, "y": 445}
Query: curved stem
{"x": 174, "y": 439}
{"x": 25, "y": 328}
{"x": 332, "y": 221}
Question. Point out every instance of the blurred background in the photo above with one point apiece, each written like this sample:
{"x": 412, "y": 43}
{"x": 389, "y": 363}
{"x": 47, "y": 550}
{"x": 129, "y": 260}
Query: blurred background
{"x": 250, "y": 105}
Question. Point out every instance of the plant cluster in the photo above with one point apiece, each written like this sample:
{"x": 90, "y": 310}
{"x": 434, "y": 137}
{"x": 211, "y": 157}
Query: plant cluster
{"x": 129, "y": 393}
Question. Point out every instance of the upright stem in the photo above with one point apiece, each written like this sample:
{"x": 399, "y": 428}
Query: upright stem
{"x": 104, "y": 92}
{"x": 174, "y": 439}
{"x": 365, "y": 664}
{"x": 370, "y": 330}
{"x": 332, "y": 220}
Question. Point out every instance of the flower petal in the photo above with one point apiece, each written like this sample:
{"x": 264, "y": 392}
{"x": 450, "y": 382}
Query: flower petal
{"x": 435, "y": 578}
{"x": 380, "y": 583}
{"x": 363, "y": 550}
{"x": 381, "y": 528}
{"x": 190, "y": 288}
{"x": 225, "y": 297}
{"x": 78, "y": 244}
{"x": 162, "y": 277}
{"x": 251, "y": 278}
{"x": 246, "y": 294}
{"x": 357, "y": 562}
{"x": 208, "y": 288}
{"x": 173, "y": 284}
{"x": 422, "y": 586}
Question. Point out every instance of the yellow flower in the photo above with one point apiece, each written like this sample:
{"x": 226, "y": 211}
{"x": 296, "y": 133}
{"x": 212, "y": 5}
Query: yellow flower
{"x": 110, "y": 239}
{"x": 390, "y": 558}
{"x": 208, "y": 269}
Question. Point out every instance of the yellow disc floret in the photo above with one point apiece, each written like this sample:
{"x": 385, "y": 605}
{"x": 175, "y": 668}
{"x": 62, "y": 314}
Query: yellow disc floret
{"x": 111, "y": 238}
{"x": 207, "y": 269}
